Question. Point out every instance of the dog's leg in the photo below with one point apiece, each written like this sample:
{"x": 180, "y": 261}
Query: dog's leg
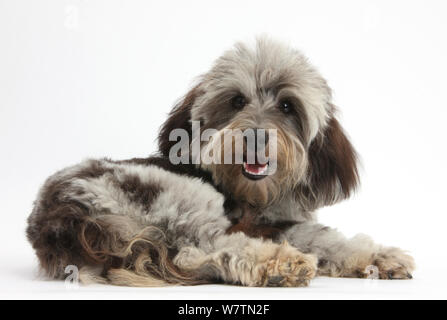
{"x": 193, "y": 217}
{"x": 207, "y": 251}
{"x": 239, "y": 259}
{"x": 355, "y": 257}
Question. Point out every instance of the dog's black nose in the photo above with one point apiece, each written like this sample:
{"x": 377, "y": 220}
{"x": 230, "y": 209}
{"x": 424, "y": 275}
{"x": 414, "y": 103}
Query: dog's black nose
{"x": 262, "y": 136}
{"x": 259, "y": 141}
{"x": 256, "y": 141}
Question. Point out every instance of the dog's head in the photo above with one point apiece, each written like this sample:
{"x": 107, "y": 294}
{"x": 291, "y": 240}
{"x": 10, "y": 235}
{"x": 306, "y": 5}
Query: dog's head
{"x": 272, "y": 87}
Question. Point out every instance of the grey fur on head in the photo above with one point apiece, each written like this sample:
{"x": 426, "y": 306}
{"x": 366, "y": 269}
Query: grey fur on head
{"x": 149, "y": 222}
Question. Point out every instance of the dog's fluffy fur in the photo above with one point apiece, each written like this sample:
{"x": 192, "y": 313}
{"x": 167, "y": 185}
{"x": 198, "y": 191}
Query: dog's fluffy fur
{"x": 148, "y": 222}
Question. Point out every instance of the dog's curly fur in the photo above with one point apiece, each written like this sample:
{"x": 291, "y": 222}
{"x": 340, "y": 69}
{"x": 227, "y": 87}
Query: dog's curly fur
{"x": 149, "y": 222}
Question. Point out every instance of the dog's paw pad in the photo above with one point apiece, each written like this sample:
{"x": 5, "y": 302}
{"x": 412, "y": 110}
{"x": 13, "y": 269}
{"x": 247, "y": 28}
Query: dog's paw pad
{"x": 393, "y": 263}
{"x": 292, "y": 270}
{"x": 274, "y": 281}
{"x": 396, "y": 274}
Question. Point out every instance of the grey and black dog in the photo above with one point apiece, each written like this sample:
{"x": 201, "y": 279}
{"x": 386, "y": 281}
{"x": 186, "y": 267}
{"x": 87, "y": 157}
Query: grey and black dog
{"x": 150, "y": 222}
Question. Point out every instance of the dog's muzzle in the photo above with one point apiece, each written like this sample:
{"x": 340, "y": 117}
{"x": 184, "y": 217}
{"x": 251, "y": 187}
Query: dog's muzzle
{"x": 259, "y": 168}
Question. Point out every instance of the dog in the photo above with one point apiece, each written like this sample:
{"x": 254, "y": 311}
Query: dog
{"x": 159, "y": 221}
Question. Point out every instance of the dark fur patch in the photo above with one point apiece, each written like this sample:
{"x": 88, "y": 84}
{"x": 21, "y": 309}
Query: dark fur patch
{"x": 333, "y": 170}
{"x": 54, "y": 236}
{"x": 253, "y": 227}
{"x": 94, "y": 170}
{"x": 139, "y": 192}
{"x": 179, "y": 118}
{"x": 56, "y": 222}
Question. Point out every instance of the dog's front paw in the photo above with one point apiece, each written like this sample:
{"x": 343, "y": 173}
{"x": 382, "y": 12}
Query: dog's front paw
{"x": 393, "y": 263}
{"x": 290, "y": 268}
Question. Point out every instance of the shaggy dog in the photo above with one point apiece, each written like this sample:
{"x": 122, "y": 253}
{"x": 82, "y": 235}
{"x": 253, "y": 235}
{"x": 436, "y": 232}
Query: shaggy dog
{"x": 156, "y": 221}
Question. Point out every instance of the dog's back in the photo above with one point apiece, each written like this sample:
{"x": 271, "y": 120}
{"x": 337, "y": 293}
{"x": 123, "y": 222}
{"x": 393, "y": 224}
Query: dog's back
{"x": 96, "y": 216}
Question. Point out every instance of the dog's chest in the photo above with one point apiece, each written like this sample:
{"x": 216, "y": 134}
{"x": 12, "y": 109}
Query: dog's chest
{"x": 250, "y": 223}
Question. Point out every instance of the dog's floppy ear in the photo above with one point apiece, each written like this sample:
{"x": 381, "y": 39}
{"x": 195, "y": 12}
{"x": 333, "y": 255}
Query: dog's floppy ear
{"x": 178, "y": 118}
{"x": 332, "y": 171}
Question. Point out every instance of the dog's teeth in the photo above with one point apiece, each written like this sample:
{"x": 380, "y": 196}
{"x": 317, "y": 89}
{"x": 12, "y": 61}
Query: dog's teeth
{"x": 260, "y": 170}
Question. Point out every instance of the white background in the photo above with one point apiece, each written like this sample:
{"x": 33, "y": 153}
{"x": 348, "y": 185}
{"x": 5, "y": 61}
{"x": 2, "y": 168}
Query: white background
{"x": 97, "y": 78}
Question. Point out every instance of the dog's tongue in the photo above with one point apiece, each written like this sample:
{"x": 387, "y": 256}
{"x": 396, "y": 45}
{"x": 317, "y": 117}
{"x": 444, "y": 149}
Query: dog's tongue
{"x": 255, "y": 168}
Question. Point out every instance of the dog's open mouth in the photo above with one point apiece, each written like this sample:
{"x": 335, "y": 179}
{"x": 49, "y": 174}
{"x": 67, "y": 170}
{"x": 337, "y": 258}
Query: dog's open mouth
{"x": 255, "y": 171}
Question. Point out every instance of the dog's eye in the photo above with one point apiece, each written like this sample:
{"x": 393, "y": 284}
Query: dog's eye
{"x": 238, "y": 102}
{"x": 285, "y": 106}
